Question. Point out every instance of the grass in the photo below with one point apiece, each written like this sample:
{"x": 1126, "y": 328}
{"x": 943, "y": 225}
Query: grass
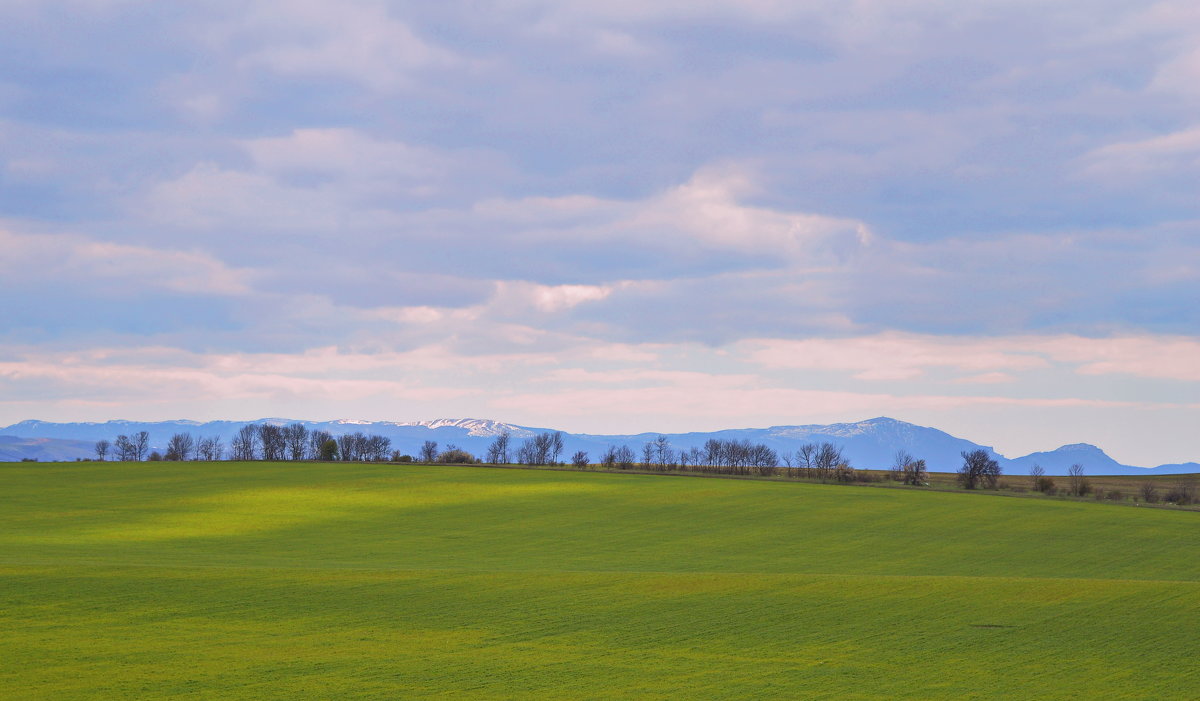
{"x": 227, "y": 580}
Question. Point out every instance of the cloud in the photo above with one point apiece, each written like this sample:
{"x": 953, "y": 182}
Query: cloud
{"x": 1177, "y": 151}
{"x": 898, "y": 356}
{"x": 84, "y": 261}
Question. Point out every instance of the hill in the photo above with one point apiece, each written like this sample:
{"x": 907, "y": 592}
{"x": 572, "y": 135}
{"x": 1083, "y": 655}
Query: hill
{"x": 869, "y": 444}
{"x": 228, "y": 580}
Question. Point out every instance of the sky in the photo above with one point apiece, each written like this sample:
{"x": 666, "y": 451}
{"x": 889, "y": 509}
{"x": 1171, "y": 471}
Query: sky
{"x": 608, "y": 216}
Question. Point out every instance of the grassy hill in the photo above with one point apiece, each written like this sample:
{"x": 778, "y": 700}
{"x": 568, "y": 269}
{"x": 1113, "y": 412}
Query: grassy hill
{"x": 325, "y": 580}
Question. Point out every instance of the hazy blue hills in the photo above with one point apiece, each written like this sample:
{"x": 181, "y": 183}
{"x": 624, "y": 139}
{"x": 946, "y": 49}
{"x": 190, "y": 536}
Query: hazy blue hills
{"x": 868, "y": 444}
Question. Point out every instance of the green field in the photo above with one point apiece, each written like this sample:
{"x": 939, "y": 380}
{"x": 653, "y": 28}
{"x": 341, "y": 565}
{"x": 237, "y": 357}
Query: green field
{"x": 226, "y": 580}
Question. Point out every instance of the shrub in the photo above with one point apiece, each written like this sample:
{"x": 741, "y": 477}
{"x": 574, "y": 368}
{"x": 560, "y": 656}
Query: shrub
{"x": 456, "y": 455}
{"x": 1044, "y": 485}
{"x": 404, "y": 458}
{"x": 1116, "y": 495}
{"x": 1182, "y": 493}
{"x": 1148, "y": 492}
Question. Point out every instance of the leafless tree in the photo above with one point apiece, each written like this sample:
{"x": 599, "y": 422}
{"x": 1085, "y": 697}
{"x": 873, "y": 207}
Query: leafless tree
{"x": 355, "y": 446}
{"x": 825, "y": 461}
{"x": 497, "y": 453}
{"x": 712, "y": 452}
{"x": 180, "y": 447}
{"x": 556, "y": 447}
{"x": 102, "y": 447}
{"x": 806, "y": 458}
{"x": 378, "y": 447}
{"x": 648, "y": 454}
{"x": 1078, "y": 484}
{"x": 210, "y": 448}
{"x": 580, "y": 459}
{"x": 271, "y": 440}
{"x": 1036, "y": 473}
{"x": 429, "y": 451}
{"x": 123, "y": 447}
{"x": 914, "y": 473}
{"x": 1149, "y": 492}
{"x": 625, "y": 457}
{"x": 664, "y": 454}
{"x": 979, "y": 469}
{"x": 901, "y": 458}
{"x": 245, "y": 443}
{"x": 296, "y": 437}
{"x": 141, "y": 444}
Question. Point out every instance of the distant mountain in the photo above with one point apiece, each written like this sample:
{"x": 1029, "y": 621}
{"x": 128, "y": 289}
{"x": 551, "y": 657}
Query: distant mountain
{"x": 16, "y": 448}
{"x": 868, "y": 444}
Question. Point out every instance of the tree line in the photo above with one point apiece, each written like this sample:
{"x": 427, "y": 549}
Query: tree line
{"x": 823, "y": 461}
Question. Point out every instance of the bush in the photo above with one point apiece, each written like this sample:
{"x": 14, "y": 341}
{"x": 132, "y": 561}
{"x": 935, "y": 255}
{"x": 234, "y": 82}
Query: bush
{"x": 1115, "y": 495}
{"x": 456, "y": 455}
{"x": 1182, "y": 493}
{"x": 1044, "y": 485}
{"x": 1148, "y": 492}
{"x": 404, "y": 458}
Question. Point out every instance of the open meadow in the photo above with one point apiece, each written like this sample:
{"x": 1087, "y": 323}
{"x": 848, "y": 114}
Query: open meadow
{"x": 319, "y": 580}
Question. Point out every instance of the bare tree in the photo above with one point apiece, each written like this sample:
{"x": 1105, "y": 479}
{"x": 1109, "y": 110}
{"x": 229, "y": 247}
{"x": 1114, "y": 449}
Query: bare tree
{"x": 979, "y": 469}
{"x": 1036, "y": 473}
{"x": 497, "y": 453}
{"x": 664, "y": 454}
{"x": 209, "y": 448}
{"x": 625, "y": 457}
{"x": 826, "y": 458}
{"x": 272, "y": 442}
{"x": 580, "y": 459}
{"x": 806, "y": 458}
{"x": 141, "y": 444}
{"x": 429, "y": 451}
{"x": 1149, "y": 492}
{"x": 356, "y": 446}
{"x": 901, "y": 459}
{"x": 296, "y": 437}
{"x": 180, "y": 447}
{"x": 245, "y": 443}
{"x": 648, "y": 454}
{"x": 124, "y": 448}
{"x": 102, "y": 447}
{"x": 914, "y": 473}
{"x": 1078, "y": 484}
{"x": 555, "y": 447}
{"x": 378, "y": 447}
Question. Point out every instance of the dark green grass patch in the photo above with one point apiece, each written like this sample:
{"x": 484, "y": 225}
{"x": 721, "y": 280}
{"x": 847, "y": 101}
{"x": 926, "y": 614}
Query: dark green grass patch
{"x": 324, "y": 580}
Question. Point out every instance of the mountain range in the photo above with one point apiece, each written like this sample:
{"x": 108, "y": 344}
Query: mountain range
{"x": 868, "y": 444}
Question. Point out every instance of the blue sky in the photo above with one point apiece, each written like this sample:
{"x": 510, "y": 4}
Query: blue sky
{"x": 608, "y": 216}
